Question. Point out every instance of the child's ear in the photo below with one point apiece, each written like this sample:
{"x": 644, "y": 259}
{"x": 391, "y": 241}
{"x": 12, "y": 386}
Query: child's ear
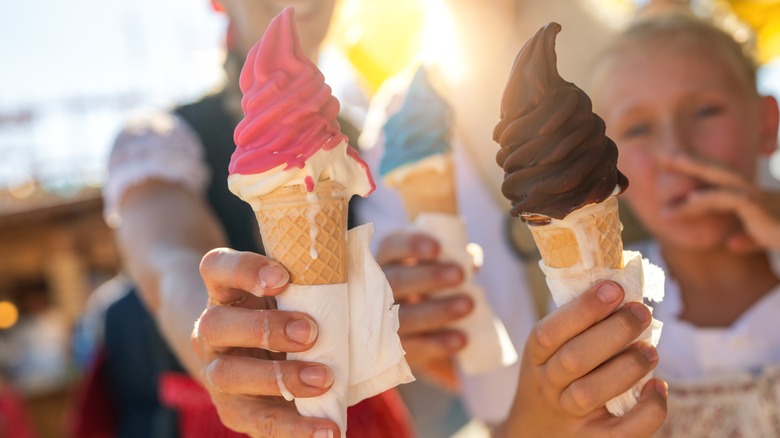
{"x": 770, "y": 117}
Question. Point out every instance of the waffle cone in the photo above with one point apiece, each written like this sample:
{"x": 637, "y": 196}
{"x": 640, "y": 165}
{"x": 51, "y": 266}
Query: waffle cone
{"x": 429, "y": 190}
{"x": 599, "y": 230}
{"x": 307, "y": 232}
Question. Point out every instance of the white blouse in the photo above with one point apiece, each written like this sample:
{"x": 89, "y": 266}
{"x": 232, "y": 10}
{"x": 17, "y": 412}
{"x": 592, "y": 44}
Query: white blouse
{"x": 159, "y": 146}
{"x": 723, "y": 382}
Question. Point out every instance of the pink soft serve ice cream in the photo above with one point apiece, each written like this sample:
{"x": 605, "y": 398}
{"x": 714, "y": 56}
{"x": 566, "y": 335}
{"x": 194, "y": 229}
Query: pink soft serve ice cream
{"x": 289, "y": 134}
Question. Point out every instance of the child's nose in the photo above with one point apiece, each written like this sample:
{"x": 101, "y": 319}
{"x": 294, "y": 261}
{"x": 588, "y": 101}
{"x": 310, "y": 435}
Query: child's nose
{"x": 675, "y": 139}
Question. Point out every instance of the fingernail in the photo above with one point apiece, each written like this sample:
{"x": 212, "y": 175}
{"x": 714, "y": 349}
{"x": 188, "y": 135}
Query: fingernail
{"x": 323, "y": 433}
{"x": 452, "y": 274}
{"x": 608, "y": 292}
{"x": 316, "y": 376}
{"x": 272, "y": 277}
{"x": 425, "y": 247}
{"x": 460, "y": 306}
{"x": 641, "y": 312}
{"x": 662, "y": 388}
{"x": 302, "y": 331}
{"x": 650, "y": 353}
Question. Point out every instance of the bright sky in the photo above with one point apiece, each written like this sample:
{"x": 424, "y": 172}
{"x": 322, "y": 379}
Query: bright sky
{"x": 79, "y": 65}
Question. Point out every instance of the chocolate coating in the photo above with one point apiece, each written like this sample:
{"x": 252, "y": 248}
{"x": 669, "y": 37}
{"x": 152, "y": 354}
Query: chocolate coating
{"x": 554, "y": 150}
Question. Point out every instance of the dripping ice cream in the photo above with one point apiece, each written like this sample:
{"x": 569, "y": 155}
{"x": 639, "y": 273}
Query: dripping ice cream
{"x": 294, "y": 167}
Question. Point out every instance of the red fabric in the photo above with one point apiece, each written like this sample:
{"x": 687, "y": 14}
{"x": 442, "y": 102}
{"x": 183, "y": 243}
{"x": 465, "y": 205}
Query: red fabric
{"x": 94, "y": 411}
{"x": 383, "y": 416}
{"x": 14, "y": 422}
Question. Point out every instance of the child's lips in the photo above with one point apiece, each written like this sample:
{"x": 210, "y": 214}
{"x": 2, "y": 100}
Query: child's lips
{"x": 680, "y": 198}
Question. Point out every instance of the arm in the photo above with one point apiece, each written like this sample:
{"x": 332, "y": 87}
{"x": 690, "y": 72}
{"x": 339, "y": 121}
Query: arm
{"x": 165, "y": 231}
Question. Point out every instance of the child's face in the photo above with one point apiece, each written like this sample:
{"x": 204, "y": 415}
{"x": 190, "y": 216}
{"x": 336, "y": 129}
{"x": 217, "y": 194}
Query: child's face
{"x": 661, "y": 102}
{"x": 251, "y": 18}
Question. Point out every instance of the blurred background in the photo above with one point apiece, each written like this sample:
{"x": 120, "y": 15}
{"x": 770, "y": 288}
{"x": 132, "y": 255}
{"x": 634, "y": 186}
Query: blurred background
{"x": 72, "y": 72}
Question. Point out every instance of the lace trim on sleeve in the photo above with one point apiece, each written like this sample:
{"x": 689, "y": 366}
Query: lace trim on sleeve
{"x": 160, "y": 146}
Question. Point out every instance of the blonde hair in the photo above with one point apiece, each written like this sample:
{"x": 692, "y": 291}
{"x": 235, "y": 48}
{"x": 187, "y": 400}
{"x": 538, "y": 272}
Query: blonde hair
{"x": 679, "y": 29}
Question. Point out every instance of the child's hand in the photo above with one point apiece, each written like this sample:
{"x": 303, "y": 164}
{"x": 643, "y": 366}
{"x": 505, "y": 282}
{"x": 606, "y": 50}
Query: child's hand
{"x": 409, "y": 260}
{"x": 729, "y": 192}
{"x": 241, "y": 339}
{"x": 576, "y": 360}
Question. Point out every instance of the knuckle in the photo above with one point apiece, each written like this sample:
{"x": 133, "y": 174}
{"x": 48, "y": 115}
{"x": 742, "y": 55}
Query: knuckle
{"x": 269, "y": 422}
{"x": 580, "y": 399}
{"x": 208, "y": 324}
{"x": 220, "y": 374}
{"x": 541, "y": 336}
{"x": 259, "y": 327}
{"x": 209, "y": 260}
{"x": 568, "y": 362}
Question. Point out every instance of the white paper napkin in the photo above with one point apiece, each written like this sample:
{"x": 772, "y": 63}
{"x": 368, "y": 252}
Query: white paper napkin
{"x": 640, "y": 279}
{"x": 358, "y": 340}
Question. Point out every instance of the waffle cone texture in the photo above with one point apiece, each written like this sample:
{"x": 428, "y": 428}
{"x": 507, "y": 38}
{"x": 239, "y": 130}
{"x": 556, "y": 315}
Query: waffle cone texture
{"x": 307, "y": 232}
{"x": 589, "y": 236}
{"x": 429, "y": 190}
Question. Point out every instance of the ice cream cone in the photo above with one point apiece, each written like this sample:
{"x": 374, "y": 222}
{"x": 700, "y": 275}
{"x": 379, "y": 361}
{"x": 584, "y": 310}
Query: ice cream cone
{"x": 429, "y": 189}
{"x": 589, "y": 236}
{"x": 306, "y": 232}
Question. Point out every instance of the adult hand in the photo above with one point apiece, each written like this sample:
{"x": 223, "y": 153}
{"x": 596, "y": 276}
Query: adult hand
{"x": 242, "y": 339}
{"x": 579, "y": 357}
{"x": 729, "y": 192}
{"x": 409, "y": 260}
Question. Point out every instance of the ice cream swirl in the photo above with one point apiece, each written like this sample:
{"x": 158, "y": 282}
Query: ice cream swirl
{"x": 420, "y": 129}
{"x": 289, "y": 111}
{"x": 289, "y": 134}
{"x": 554, "y": 150}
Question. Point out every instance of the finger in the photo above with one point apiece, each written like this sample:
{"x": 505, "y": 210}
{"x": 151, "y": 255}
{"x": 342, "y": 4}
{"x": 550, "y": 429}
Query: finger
{"x": 431, "y": 315}
{"x": 759, "y": 224}
{"x": 591, "y": 348}
{"x": 242, "y": 375}
{"x": 275, "y": 330}
{"x": 741, "y": 243}
{"x": 571, "y": 319}
{"x": 228, "y": 273}
{"x": 403, "y": 246}
{"x": 713, "y": 173}
{"x": 407, "y": 281}
{"x": 268, "y": 417}
{"x": 425, "y": 349}
{"x": 702, "y": 201}
{"x": 647, "y": 416}
{"x": 609, "y": 380}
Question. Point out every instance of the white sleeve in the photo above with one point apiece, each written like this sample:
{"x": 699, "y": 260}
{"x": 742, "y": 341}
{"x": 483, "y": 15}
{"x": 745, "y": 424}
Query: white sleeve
{"x": 159, "y": 146}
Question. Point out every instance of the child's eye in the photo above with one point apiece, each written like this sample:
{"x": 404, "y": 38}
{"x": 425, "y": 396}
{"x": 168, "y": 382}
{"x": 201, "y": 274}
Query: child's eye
{"x": 708, "y": 111}
{"x": 637, "y": 130}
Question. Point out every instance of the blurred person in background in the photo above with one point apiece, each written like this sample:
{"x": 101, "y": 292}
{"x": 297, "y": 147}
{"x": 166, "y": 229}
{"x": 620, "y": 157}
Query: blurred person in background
{"x": 168, "y": 199}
